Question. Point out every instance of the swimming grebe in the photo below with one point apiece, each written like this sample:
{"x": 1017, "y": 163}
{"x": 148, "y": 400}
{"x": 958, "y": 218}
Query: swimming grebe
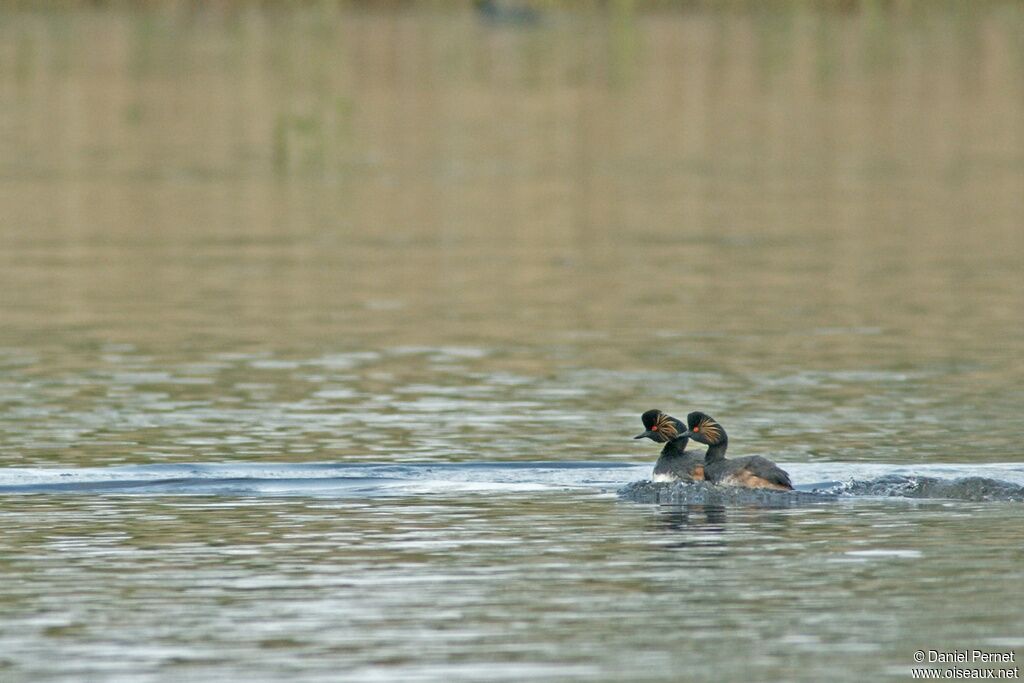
{"x": 752, "y": 471}
{"x": 674, "y": 464}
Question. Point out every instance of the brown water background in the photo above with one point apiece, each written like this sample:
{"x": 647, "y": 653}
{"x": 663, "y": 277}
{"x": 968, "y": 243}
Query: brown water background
{"x": 295, "y": 233}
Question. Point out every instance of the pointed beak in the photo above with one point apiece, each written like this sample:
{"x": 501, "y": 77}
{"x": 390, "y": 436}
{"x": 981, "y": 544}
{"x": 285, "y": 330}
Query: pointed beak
{"x": 686, "y": 435}
{"x": 648, "y": 434}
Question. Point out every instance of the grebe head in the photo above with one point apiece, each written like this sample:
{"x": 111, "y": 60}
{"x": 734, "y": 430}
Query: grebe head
{"x": 660, "y": 427}
{"x": 703, "y": 428}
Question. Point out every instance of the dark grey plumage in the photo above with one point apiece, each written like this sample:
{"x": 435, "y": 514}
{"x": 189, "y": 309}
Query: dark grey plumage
{"x": 678, "y": 464}
{"x": 751, "y": 472}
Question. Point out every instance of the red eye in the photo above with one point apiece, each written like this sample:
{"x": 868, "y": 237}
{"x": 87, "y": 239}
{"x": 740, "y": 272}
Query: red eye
{"x": 696, "y": 429}
{"x": 654, "y": 428}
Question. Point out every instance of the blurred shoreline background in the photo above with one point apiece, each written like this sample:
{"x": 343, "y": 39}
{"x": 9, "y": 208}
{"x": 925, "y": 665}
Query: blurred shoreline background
{"x": 856, "y": 129}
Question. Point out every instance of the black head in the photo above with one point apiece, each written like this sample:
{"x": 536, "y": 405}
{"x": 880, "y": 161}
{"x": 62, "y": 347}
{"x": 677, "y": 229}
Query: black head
{"x": 660, "y": 427}
{"x": 702, "y": 427}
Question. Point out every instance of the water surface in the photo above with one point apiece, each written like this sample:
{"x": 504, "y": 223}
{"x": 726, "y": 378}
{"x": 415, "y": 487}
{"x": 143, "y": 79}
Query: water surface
{"x": 324, "y": 332}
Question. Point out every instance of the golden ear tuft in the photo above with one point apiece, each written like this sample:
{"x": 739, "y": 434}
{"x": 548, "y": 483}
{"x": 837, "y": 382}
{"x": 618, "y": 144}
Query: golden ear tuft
{"x": 666, "y": 426}
{"x": 712, "y": 432}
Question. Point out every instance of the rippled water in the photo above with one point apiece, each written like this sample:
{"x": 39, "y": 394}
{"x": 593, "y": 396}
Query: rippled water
{"x": 533, "y": 572}
{"x": 324, "y": 333}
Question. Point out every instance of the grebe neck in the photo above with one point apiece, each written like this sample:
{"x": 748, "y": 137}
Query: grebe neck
{"x": 717, "y": 452}
{"x": 675, "y": 446}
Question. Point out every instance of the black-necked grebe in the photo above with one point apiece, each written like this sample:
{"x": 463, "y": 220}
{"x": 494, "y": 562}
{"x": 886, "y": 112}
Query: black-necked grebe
{"x": 675, "y": 464}
{"x": 752, "y": 472}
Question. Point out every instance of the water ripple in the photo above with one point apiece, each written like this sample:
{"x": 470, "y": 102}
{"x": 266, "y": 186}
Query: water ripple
{"x": 821, "y": 482}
